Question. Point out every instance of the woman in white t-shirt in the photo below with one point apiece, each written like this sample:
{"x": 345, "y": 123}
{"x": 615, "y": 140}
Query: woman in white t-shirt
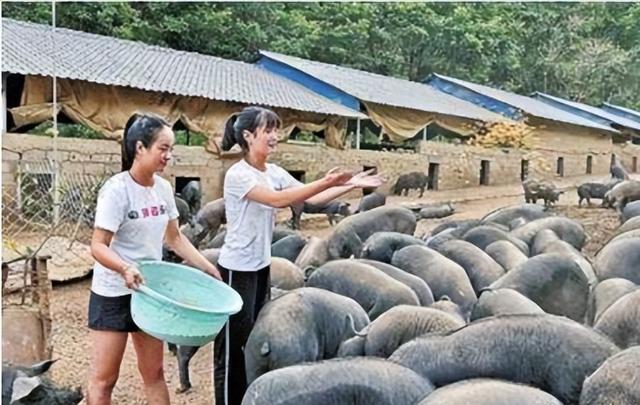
{"x": 136, "y": 212}
{"x": 253, "y": 191}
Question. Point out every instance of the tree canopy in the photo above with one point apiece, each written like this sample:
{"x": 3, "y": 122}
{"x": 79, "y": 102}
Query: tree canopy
{"x": 588, "y": 52}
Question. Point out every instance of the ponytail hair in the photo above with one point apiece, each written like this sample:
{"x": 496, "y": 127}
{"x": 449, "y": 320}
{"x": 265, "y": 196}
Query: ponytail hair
{"x": 249, "y": 119}
{"x": 142, "y": 127}
{"x": 229, "y": 138}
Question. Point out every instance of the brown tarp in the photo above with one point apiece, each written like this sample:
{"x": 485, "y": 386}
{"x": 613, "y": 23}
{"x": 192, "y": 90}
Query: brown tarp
{"x": 400, "y": 124}
{"x": 106, "y": 109}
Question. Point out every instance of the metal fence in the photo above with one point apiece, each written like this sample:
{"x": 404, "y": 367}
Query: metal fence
{"x": 50, "y": 212}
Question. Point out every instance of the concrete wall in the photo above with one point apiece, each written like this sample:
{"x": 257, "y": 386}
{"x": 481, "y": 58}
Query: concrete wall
{"x": 459, "y": 164}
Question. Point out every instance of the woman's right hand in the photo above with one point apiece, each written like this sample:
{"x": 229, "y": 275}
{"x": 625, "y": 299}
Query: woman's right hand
{"x": 132, "y": 276}
{"x": 337, "y": 176}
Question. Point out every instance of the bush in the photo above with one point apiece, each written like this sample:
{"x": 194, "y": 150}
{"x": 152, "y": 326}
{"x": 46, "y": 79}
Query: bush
{"x": 193, "y": 138}
{"x": 66, "y": 130}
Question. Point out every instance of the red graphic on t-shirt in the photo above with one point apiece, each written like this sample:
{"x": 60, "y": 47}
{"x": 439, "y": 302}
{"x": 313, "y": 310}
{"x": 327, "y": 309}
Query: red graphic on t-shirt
{"x": 153, "y": 211}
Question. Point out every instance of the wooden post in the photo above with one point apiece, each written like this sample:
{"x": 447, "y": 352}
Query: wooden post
{"x": 424, "y": 133}
{"x": 41, "y": 297}
{"x": 5, "y": 275}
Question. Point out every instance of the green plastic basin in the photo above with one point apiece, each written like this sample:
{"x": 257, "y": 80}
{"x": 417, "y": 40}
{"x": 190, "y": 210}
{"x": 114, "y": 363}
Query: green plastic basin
{"x": 182, "y": 305}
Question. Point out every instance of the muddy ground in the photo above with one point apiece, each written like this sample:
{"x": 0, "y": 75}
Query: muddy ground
{"x": 69, "y": 306}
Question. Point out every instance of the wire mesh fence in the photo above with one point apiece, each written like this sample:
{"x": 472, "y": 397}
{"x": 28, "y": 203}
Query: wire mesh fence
{"x": 50, "y": 212}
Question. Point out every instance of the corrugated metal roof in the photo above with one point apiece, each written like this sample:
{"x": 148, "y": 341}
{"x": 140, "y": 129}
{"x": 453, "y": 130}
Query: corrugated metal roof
{"x": 527, "y": 104}
{"x": 28, "y": 49}
{"x": 604, "y": 115}
{"x": 622, "y": 111}
{"x": 386, "y": 90}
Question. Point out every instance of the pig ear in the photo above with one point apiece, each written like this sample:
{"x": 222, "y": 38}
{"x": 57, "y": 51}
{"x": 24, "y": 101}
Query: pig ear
{"x": 308, "y": 271}
{"x": 347, "y": 204}
{"x": 23, "y": 386}
{"x": 40, "y": 368}
{"x": 265, "y": 349}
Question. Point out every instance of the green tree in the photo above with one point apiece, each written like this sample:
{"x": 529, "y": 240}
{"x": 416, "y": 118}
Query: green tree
{"x": 586, "y": 51}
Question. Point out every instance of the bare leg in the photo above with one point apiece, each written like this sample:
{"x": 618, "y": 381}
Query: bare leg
{"x": 149, "y": 352}
{"x": 106, "y": 356}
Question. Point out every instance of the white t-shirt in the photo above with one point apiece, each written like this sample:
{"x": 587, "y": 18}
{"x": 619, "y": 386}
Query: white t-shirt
{"x": 138, "y": 217}
{"x": 247, "y": 244}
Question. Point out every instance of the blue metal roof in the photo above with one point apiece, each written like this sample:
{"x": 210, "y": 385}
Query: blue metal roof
{"x": 482, "y": 100}
{"x": 309, "y": 82}
{"x": 509, "y": 104}
{"x": 622, "y": 111}
{"x": 589, "y": 112}
{"x": 344, "y": 85}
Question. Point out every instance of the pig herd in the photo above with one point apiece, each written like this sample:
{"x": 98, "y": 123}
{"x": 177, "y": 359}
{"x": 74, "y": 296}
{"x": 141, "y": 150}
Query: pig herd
{"x": 503, "y": 309}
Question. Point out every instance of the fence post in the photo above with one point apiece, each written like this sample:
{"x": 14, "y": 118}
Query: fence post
{"x": 41, "y": 297}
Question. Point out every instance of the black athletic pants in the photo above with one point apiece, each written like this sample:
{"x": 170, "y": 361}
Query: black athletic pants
{"x": 230, "y": 380}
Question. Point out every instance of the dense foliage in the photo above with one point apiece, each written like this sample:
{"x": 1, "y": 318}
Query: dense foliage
{"x": 586, "y": 52}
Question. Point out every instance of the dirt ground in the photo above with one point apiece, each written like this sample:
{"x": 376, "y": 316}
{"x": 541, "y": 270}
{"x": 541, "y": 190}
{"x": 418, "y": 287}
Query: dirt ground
{"x": 69, "y": 303}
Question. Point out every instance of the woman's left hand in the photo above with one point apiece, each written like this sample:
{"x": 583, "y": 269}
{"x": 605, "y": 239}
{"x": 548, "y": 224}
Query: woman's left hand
{"x": 366, "y": 180}
{"x": 214, "y": 273}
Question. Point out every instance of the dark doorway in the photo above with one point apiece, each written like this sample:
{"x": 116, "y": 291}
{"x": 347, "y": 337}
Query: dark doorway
{"x": 366, "y": 191}
{"x": 560, "y": 167}
{"x": 434, "y": 170}
{"x": 484, "y": 172}
{"x": 634, "y": 164}
{"x": 298, "y": 175}
{"x": 14, "y": 85}
{"x": 182, "y": 181}
{"x": 524, "y": 169}
{"x": 589, "y": 164}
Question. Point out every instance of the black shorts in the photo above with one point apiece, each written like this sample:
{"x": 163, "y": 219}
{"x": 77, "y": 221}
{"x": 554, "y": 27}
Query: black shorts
{"x": 111, "y": 313}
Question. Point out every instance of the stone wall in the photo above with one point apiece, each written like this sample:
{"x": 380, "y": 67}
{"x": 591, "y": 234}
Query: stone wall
{"x": 459, "y": 165}
{"x": 629, "y": 154}
{"x": 99, "y": 157}
{"x": 573, "y": 144}
{"x": 316, "y": 160}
